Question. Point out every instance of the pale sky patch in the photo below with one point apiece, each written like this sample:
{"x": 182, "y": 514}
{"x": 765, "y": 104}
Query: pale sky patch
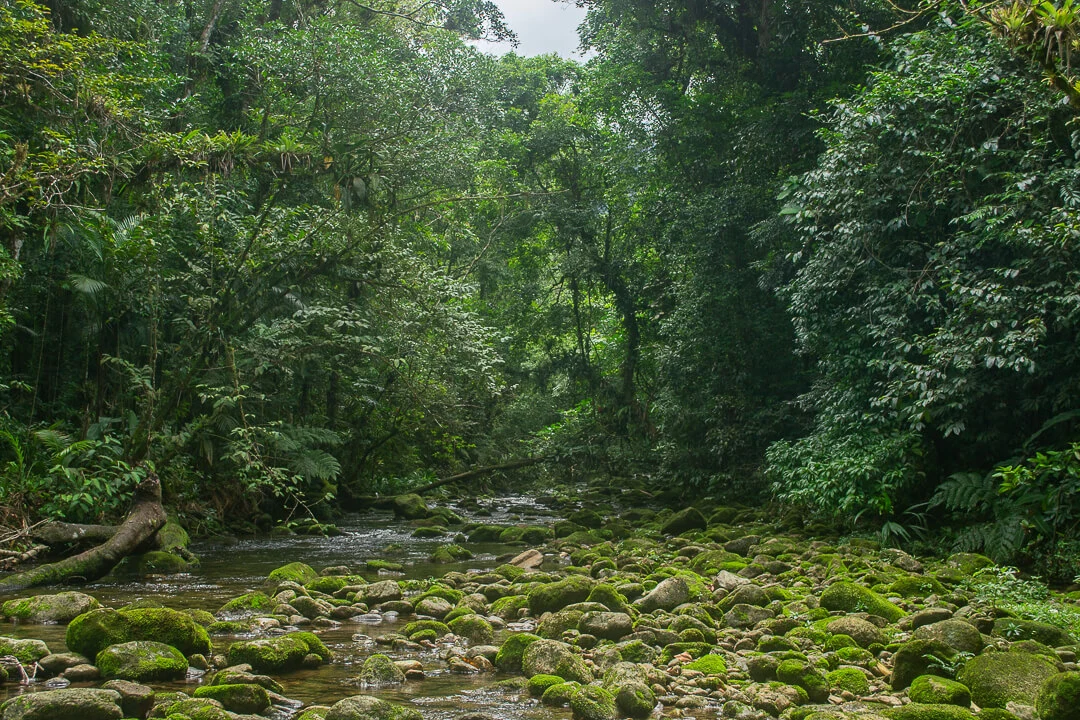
{"x": 542, "y": 26}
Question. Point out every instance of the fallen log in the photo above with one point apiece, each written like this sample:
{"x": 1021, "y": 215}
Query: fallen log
{"x": 468, "y": 475}
{"x": 147, "y": 516}
{"x": 61, "y": 533}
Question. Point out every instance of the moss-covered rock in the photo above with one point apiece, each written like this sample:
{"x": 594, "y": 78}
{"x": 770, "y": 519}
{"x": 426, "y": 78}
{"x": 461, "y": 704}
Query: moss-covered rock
{"x": 1059, "y": 697}
{"x": 708, "y": 664}
{"x": 804, "y": 675}
{"x": 849, "y": 678}
{"x": 237, "y": 698}
{"x": 849, "y": 597}
{"x": 916, "y": 586}
{"x": 297, "y": 572}
{"x": 248, "y": 604}
{"x": 410, "y": 507}
{"x": 509, "y": 607}
{"x": 998, "y": 678}
{"x": 687, "y": 519}
{"x": 512, "y": 650}
{"x": 92, "y": 632}
{"x": 269, "y": 655}
{"x": 968, "y": 563}
{"x": 473, "y": 628}
{"x": 27, "y": 651}
{"x": 449, "y": 553}
{"x": 864, "y": 633}
{"x": 606, "y": 625}
{"x": 59, "y": 608}
{"x": 81, "y": 703}
{"x": 934, "y": 690}
{"x": 365, "y": 707}
{"x": 538, "y": 684}
{"x": 191, "y": 709}
{"x": 155, "y": 562}
{"x": 559, "y": 695}
{"x": 554, "y": 596}
{"x": 1017, "y": 629}
{"x": 918, "y": 711}
{"x": 957, "y": 634}
{"x": 607, "y": 595}
{"x": 380, "y": 670}
{"x": 918, "y": 657}
{"x": 629, "y": 683}
{"x": 550, "y": 657}
{"x": 593, "y": 703}
{"x": 142, "y": 661}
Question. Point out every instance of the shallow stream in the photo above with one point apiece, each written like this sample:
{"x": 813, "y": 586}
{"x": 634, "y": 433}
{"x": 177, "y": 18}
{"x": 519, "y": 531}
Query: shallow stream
{"x": 230, "y": 568}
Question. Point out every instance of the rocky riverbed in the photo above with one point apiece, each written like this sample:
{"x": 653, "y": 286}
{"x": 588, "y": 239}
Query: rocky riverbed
{"x": 701, "y": 612}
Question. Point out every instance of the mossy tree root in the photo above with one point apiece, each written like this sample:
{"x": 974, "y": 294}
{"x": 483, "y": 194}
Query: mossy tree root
{"x": 147, "y": 516}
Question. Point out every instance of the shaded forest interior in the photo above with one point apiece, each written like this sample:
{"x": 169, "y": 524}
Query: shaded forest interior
{"x": 290, "y": 255}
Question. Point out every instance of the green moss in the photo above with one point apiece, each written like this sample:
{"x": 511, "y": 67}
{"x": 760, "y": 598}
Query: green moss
{"x": 916, "y": 586}
{"x": 801, "y": 674}
{"x": 931, "y": 689}
{"x": 92, "y": 632}
{"x": 387, "y": 565}
{"x": 509, "y": 656}
{"x": 593, "y": 703}
{"x": 557, "y": 595}
{"x": 538, "y": 684}
{"x": 996, "y": 679}
{"x": 709, "y": 664}
{"x": 457, "y": 613}
{"x": 560, "y": 695}
{"x": 242, "y": 698}
{"x": 854, "y": 656}
{"x": 919, "y": 657}
{"x": 507, "y": 607}
{"x": 380, "y": 670}
{"x": 1059, "y": 697}
{"x": 473, "y": 628}
{"x": 142, "y": 661}
{"x": 296, "y": 572}
{"x": 248, "y": 604}
{"x": 693, "y": 649}
{"x": 416, "y": 626}
{"x": 918, "y": 711}
{"x": 330, "y": 584}
{"x": 849, "y": 597}
{"x": 269, "y": 655}
{"x": 449, "y": 553}
{"x": 851, "y": 679}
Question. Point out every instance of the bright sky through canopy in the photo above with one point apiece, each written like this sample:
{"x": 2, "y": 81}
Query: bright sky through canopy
{"x": 542, "y": 26}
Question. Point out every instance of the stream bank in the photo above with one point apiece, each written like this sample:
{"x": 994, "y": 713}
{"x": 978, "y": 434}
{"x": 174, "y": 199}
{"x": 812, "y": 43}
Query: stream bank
{"x": 629, "y": 614}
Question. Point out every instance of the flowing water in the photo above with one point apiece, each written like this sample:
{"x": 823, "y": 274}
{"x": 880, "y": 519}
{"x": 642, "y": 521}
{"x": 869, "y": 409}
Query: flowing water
{"x": 233, "y": 567}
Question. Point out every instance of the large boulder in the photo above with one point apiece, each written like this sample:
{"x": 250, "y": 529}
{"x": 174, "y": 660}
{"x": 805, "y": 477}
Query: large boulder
{"x": 606, "y": 625}
{"x": 998, "y": 678}
{"x": 688, "y": 519}
{"x": 26, "y": 651}
{"x": 957, "y": 634}
{"x": 918, "y": 657}
{"x": 512, "y": 651}
{"x": 411, "y": 507}
{"x": 297, "y": 572}
{"x": 365, "y": 707}
{"x": 142, "y": 661}
{"x": 1017, "y": 629}
{"x": 275, "y": 654}
{"x": 849, "y": 597}
{"x": 629, "y": 683}
{"x": 1059, "y": 697}
{"x": 551, "y": 657}
{"x": 60, "y": 608}
{"x": 380, "y": 670}
{"x": 593, "y": 703}
{"x": 382, "y": 591}
{"x": 934, "y": 690}
{"x": 669, "y": 594}
{"x": 864, "y": 633}
{"x": 550, "y": 597}
{"x": 244, "y": 698}
{"x": 92, "y": 632}
{"x": 81, "y": 703}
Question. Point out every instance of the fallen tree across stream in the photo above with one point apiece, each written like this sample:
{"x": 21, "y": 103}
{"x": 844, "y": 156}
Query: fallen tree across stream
{"x": 147, "y": 516}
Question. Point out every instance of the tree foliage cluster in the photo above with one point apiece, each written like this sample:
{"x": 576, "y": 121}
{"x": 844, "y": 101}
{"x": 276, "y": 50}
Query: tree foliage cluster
{"x": 292, "y": 251}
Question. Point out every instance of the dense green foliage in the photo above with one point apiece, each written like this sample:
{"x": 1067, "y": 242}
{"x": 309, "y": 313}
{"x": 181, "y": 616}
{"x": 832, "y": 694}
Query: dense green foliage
{"x": 296, "y": 252}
